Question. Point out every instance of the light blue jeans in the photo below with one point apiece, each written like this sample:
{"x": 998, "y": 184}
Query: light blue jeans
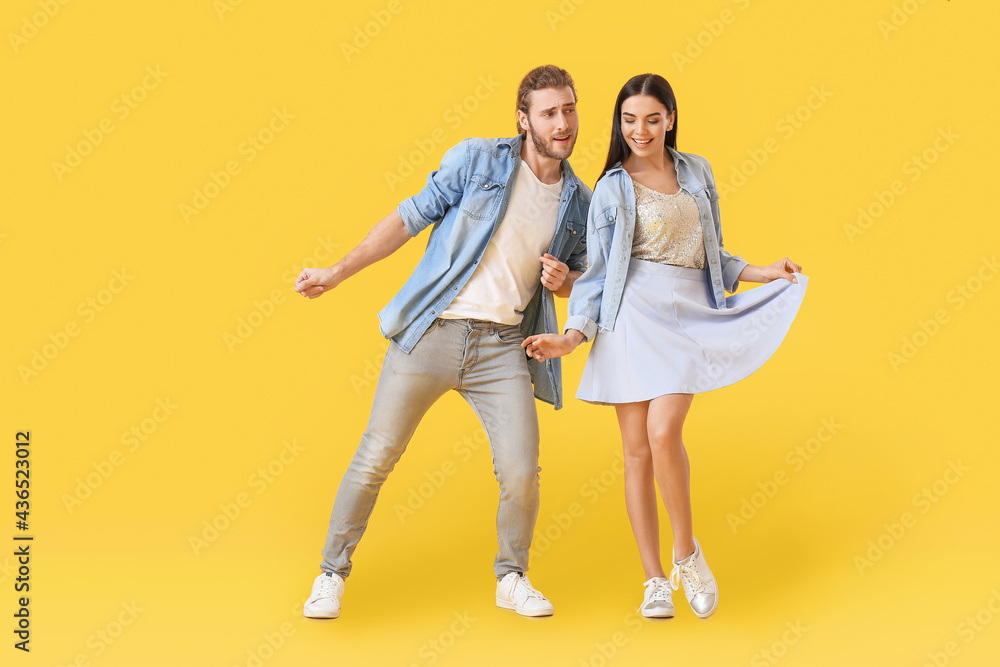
{"x": 484, "y": 363}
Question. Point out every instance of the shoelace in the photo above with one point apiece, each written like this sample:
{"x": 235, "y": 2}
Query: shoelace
{"x": 524, "y": 588}
{"x": 661, "y": 593}
{"x": 693, "y": 583}
{"x": 328, "y": 587}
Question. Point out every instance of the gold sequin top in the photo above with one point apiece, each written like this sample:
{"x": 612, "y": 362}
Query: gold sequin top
{"x": 667, "y": 228}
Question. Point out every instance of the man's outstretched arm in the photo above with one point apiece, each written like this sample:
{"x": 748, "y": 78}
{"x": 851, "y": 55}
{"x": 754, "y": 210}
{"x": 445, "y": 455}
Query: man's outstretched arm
{"x": 385, "y": 238}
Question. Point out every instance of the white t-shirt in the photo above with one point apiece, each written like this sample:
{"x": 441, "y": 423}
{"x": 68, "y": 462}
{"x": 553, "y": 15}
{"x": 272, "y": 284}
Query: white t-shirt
{"x": 510, "y": 270}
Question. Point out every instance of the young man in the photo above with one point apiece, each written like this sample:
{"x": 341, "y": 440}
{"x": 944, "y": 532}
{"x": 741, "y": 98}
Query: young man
{"x": 509, "y": 230}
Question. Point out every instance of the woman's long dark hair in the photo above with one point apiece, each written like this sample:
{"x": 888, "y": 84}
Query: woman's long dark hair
{"x": 653, "y": 85}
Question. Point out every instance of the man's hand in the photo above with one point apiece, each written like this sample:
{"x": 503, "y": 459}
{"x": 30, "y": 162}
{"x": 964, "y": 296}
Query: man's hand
{"x": 315, "y": 282}
{"x": 385, "y": 238}
{"x": 554, "y": 272}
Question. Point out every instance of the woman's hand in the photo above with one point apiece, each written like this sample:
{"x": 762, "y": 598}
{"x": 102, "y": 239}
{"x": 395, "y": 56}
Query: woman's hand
{"x": 549, "y": 346}
{"x": 783, "y": 268}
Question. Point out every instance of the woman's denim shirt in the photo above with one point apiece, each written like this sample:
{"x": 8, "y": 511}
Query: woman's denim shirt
{"x": 596, "y": 295}
{"x": 465, "y": 200}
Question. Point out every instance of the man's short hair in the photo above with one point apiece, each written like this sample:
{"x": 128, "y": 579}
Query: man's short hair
{"x": 546, "y": 76}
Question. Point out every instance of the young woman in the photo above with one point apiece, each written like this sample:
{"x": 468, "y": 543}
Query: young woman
{"x": 653, "y": 302}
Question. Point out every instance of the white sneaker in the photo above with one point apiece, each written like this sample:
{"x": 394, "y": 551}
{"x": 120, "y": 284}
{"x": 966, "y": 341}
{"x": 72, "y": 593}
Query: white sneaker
{"x": 656, "y": 602}
{"x": 515, "y": 592}
{"x": 699, "y": 584}
{"x": 324, "y": 601}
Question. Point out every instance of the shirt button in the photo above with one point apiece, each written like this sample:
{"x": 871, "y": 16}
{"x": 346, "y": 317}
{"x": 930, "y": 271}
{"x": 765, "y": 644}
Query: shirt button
{"x": 716, "y": 282}
{"x": 713, "y": 261}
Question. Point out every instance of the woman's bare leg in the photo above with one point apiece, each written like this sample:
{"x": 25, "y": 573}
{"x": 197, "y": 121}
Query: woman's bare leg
{"x": 640, "y": 493}
{"x": 664, "y": 424}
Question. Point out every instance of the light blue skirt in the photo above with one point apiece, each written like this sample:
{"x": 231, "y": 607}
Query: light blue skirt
{"x": 669, "y": 338}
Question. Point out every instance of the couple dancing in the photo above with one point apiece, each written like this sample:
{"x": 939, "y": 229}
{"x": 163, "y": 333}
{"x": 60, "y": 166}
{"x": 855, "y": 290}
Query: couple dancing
{"x": 642, "y": 263}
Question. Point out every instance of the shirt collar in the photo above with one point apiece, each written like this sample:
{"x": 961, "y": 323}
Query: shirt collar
{"x": 513, "y": 144}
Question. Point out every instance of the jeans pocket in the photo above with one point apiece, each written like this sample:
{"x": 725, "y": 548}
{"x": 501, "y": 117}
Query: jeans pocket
{"x": 511, "y": 334}
{"x": 433, "y": 326}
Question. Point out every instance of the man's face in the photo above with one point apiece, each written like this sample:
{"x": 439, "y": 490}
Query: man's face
{"x": 551, "y": 122}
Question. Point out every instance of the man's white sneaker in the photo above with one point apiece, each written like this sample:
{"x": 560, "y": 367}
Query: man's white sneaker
{"x": 656, "y": 602}
{"x": 699, "y": 584}
{"x": 324, "y": 601}
{"x": 515, "y": 592}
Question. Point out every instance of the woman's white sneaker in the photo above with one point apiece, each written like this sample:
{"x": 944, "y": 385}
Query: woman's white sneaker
{"x": 515, "y": 592}
{"x": 656, "y": 602}
{"x": 324, "y": 601}
{"x": 699, "y": 584}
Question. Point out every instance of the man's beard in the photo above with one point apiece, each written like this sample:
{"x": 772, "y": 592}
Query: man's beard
{"x": 544, "y": 147}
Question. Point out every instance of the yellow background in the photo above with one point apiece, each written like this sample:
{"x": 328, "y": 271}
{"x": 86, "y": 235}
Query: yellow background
{"x": 123, "y": 555}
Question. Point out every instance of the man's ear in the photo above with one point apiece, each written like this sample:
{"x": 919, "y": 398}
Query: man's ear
{"x": 522, "y": 120}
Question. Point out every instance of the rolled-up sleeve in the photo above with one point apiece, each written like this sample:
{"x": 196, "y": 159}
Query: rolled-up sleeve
{"x": 444, "y": 190}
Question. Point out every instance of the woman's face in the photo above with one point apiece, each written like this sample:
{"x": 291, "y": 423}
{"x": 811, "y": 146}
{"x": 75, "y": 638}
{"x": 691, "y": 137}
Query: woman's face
{"x": 645, "y": 123}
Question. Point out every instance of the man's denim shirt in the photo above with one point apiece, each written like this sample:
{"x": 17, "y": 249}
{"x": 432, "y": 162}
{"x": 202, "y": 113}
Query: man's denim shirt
{"x": 597, "y": 294}
{"x": 466, "y": 200}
